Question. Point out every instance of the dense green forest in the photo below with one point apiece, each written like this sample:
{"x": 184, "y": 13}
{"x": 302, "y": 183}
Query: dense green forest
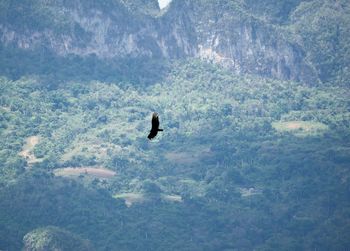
{"x": 262, "y": 163}
{"x": 245, "y": 162}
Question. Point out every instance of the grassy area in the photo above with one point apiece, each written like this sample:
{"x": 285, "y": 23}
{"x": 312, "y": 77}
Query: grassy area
{"x": 137, "y": 198}
{"x": 300, "y": 128}
{"x": 95, "y": 172}
{"x": 131, "y": 198}
{"x": 172, "y": 198}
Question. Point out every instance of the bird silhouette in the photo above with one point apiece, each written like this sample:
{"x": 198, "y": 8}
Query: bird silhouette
{"x": 155, "y": 126}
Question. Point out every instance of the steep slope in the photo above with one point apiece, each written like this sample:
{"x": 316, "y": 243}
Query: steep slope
{"x": 271, "y": 40}
{"x": 322, "y": 28}
{"x": 108, "y": 29}
{"x": 228, "y": 34}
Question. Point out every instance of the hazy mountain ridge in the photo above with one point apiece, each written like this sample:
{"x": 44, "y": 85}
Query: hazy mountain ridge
{"x": 232, "y": 33}
{"x": 109, "y": 29}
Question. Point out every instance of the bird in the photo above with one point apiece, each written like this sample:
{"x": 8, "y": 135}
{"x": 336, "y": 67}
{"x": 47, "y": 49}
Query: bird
{"x": 155, "y": 126}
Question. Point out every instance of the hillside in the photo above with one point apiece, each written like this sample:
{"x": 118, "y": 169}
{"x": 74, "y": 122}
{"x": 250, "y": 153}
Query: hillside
{"x": 305, "y": 41}
{"x": 222, "y": 153}
{"x": 255, "y": 109}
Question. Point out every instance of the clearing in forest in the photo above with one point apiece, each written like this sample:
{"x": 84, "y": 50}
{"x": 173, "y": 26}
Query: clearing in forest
{"x": 131, "y": 198}
{"x": 96, "y": 172}
{"x": 300, "y": 128}
{"x": 27, "y": 150}
{"x": 135, "y": 198}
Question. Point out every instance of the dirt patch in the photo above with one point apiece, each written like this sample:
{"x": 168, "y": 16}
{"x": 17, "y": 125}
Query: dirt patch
{"x": 300, "y": 128}
{"x": 172, "y": 198}
{"x": 97, "y": 172}
{"x": 134, "y": 198}
{"x": 27, "y": 150}
{"x": 131, "y": 198}
{"x": 294, "y": 125}
{"x": 5, "y": 108}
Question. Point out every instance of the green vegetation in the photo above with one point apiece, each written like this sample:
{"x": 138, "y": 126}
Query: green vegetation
{"x": 243, "y": 163}
{"x": 228, "y": 171}
{"x": 276, "y": 12}
{"x": 40, "y": 14}
{"x": 54, "y": 15}
{"x": 54, "y": 238}
{"x": 322, "y": 29}
{"x": 53, "y": 69}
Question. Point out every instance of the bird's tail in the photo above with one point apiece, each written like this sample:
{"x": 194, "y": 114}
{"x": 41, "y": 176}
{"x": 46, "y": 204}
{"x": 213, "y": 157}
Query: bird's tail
{"x": 160, "y": 130}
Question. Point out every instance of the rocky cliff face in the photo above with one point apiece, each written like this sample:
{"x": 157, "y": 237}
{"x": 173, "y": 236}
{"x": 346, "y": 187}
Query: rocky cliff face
{"x": 116, "y": 29}
{"x": 249, "y": 45}
{"x": 218, "y": 31}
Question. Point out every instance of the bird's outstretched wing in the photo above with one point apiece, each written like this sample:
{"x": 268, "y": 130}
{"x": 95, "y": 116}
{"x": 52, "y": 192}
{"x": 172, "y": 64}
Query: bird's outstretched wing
{"x": 155, "y": 121}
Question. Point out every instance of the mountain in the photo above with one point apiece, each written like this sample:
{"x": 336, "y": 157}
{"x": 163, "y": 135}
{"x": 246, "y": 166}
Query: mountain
{"x": 253, "y": 98}
{"x": 272, "y": 40}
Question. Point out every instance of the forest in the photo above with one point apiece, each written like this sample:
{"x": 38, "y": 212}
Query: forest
{"x": 262, "y": 162}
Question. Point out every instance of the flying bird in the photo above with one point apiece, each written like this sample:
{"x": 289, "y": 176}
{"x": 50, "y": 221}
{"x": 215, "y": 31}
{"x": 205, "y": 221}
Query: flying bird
{"x": 155, "y": 126}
